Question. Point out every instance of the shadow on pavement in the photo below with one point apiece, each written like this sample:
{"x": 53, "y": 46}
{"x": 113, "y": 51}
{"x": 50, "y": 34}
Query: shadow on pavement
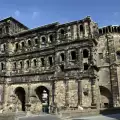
{"x": 111, "y": 113}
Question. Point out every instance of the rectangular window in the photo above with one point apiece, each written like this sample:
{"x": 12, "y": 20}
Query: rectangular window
{"x": 0, "y": 31}
{"x": 42, "y": 62}
{"x": 50, "y": 61}
{"x": 73, "y": 55}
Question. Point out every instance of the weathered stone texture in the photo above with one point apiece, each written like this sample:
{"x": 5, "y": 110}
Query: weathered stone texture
{"x": 61, "y": 66}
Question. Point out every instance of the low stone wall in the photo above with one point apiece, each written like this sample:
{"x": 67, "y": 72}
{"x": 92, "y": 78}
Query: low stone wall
{"x": 7, "y": 116}
{"x": 11, "y": 116}
{"x": 79, "y": 113}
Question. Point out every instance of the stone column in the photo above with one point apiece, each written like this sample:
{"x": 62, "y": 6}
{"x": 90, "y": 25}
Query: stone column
{"x": 53, "y": 91}
{"x": 5, "y": 95}
{"x": 79, "y": 92}
{"x": 66, "y": 93}
{"x": 93, "y": 92}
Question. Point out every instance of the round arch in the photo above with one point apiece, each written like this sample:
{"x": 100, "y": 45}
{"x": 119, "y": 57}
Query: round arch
{"x": 43, "y": 95}
{"x": 105, "y": 97}
{"x": 20, "y": 93}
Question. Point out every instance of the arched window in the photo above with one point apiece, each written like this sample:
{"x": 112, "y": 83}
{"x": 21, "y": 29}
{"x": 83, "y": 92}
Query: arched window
{"x": 2, "y": 66}
{"x": 29, "y": 42}
{"x": 85, "y": 53}
{"x": 27, "y": 63}
{"x": 51, "y": 38}
{"x": 42, "y": 62}
{"x": 16, "y": 46}
{"x": 73, "y": 55}
{"x": 15, "y": 65}
{"x": 36, "y": 40}
{"x": 23, "y": 44}
{"x": 81, "y": 28}
{"x": 35, "y": 62}
{"x": 62, "y": 57}
{"x": 62, "y": 32}
{"x": 21, "y": 64}
{"x": 43, "y": 40}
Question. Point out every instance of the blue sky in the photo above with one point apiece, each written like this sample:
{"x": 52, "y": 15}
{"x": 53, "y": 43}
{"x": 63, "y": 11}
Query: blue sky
{"x": 35, "y": 13}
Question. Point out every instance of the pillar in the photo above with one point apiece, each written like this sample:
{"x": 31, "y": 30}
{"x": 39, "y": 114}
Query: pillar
{"x": 80, "y": 92}
{"x": 93, "y": 92}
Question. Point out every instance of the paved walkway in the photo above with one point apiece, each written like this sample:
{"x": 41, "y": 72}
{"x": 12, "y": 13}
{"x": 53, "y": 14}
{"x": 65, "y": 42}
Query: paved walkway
{"x": 40, "y": 117}
{"x": 100, "y": 117}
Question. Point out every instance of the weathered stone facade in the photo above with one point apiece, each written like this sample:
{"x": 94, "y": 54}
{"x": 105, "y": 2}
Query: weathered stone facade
{"x": 76, "y": 64}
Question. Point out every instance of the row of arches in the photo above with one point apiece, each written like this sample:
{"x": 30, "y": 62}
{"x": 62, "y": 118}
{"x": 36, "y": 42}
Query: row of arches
{"x": 34, "y": 41}
{"x": 42, "y": 93}
{"x": 43, "y": 61}
{"x": 43, "y": 39}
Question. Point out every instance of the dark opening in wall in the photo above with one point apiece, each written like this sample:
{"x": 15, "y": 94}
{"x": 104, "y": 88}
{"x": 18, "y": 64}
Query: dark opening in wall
{"x": 62, "y": 56}
{"x": 28, "y": 63}
{"x": 100, "y": 31}
{"x": 2, "y": 66}
{"x": 101, "y": 55}
{"x": 119, "y": 29}
{"x": 86, "y": 66}
{"x": 29, "y": 42}
{"x": 16, "y": 46}
{"x": 43, "y": 40}
{"x": 81, "y": 28}
{"x": 42, "y": 61}
{"x": 15, "y": 65}
{"x": 73, "y": 55}
{"x": 35, "y": 62}
{"x": 36, "y": 41}
{"x": 7, "y": 29}
{"x": 118, "y": 54}
{"x": 62, "y": 32}
{"x": 23, "y": 44}
{"x": 85, "y": 53}
{"x": 50, "y": 61}
{"x": 109, "y": 28}
{"x": 115, "y": 29}
{"x": 4, "y": 47}
{"x": 51, "y": 38}
{"x": 62, "y": 68}
{"x": 0, "y": 31}
{"x": 21, "y": 64}
{"x": 106, "y": 30}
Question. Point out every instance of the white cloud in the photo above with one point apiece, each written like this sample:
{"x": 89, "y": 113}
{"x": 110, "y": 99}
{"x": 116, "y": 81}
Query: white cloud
{"x": 35, "y": 14}
{"x": 116, "y": 13}
{"x": 17, "y": 13}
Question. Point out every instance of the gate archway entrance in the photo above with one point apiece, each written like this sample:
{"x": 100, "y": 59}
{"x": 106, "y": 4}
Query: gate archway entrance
{"x": 43, "y": 95}
{"x": 20, "y": 92}
{"x": 105, "y": 97}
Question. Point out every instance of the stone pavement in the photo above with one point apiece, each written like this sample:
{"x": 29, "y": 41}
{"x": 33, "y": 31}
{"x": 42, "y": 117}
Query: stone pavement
{"x": 100, "y": 117}
{"x": 40, "y": 117}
